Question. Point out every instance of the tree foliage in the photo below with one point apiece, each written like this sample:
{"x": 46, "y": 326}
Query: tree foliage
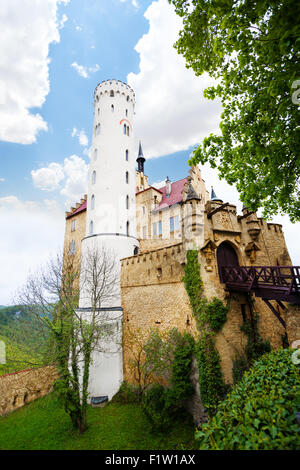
{"x": 260, "y": 411}
{"x": 252, "y": 48}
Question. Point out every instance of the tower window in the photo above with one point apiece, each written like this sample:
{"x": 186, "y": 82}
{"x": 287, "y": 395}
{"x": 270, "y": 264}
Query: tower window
{"x": 112, "y": 93}
{"x": 93, "y": 202}
{"x": 95, "y": 154}
{"x": 91, "y": 227}
{"x": 98, "y": 111}
{"x": 72, "y": 247}
{"x": 154, "y": 227}
{"x": 159, "y": 228}
{"x": 94, "y": 177}
{"x": 127, "y": 130}
{"x": 127, "y": 98}
{"x": 126, "y": 155}
{"x": 112, "y": 108}
{"x": 176, "y": 221}
{"x": 127, "y": 202}
{"x": 124, "y": 129}
{"x": 171, "y": 224}
{"x": 97, "y": 129}
{"x": 127, "y": 177}
{"x": 127, "y": 228}
{"x": 126, "y": 112}
{"x": 73, "y": 227}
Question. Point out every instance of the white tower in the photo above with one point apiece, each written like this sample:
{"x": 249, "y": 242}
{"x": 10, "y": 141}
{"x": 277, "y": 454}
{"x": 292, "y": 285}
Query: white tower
{"x": 111, "y": 216}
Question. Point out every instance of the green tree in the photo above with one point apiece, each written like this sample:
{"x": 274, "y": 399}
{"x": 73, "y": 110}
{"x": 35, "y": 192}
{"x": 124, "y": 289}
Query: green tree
{"x": 53, "y": 295}
{"x": 252, "y": 48}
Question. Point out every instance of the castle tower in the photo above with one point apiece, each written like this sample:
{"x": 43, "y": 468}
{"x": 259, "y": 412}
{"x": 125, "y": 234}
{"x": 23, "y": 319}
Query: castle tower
{"x": 111, "y": 211}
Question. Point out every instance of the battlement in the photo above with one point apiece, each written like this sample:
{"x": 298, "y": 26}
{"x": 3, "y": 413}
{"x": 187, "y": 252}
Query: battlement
{"x": 116, "y": 86}
{"x": 160, "y": 266}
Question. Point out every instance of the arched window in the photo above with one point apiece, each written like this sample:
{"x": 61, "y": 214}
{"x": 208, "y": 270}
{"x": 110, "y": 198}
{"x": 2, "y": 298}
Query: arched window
{"x": 94, "y": 177}
{"x": 124, "y": 129}
{"x": 112, "y": 93}
{"x": 91, "y": 227}
{"x": 126, "y": 155}
{"x": 127, "y": 177}
{"x": 95, "y": 154}
{"x": 112, "y": 108}
{"x": 127, "y": 202}
{"x": 127, "y": 228}
{"x": 93, "y": 202}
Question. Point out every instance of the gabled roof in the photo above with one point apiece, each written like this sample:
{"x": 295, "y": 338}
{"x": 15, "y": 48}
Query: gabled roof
{"x": 81, "y": 208}
{"x": 175, "y": 197}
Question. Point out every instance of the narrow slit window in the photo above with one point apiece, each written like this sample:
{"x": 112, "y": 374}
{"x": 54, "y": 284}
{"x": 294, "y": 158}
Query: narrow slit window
{"x": 127, "y": 228}
{"x": 127, "y": 202}
{"x": 112, "y": 108}
{"x": 91, "y": 227}
{"x": 94, "y": 177}
{"x": 127, "y": 177}
{"x": 124, "y": 129}
{"x": 93, "y": 202}
{"x": 126, "y": 155}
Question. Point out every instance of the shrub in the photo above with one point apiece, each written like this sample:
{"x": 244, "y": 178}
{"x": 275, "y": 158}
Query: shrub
{"x": 126, "y": 394}
{"x": 260, "y": 411}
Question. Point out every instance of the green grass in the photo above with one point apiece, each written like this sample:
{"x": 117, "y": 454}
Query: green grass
{"x": 43, "y": 425}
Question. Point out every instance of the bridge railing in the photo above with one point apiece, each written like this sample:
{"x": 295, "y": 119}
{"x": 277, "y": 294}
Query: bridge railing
{"x": 281, "y": 277}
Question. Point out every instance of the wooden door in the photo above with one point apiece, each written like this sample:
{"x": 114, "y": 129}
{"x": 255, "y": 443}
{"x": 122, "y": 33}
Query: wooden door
{"x": 226, "y": 256}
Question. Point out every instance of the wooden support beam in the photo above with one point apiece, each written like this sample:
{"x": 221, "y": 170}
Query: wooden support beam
{"x": 275, "y": 312}
{"x": 210, "y": 214}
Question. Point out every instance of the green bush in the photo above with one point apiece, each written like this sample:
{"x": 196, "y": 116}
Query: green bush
{"x": 259, "y": 412}
{"x": 127, "y": 394}
{"x": 216, "y": 314}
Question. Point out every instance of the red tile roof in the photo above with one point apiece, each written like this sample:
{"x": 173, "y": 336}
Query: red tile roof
{"x": 81, "y": 208}
{"x": 175, "y": 197}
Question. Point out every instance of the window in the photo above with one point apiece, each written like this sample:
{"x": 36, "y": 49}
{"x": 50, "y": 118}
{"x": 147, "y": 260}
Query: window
{"x": 127, "y": 98}
{"x": 159, "y": 228}
{"x": 154, "y": 227}
{"x": 112, "y": 108}
{"x": 127, "y": 228}
{"x": 94, "y": 177}
{"x": 127, "y": 202}
{"x": 127, "y": 130}
{"x": 98, "y": 111}
{"x": 127, "y": 177}
{"x": 72, "y": 247}
{"x": 112, "y": 93}
{"x": 95, "y": 154}
{"x": 93, "y": 202}
{"x": 126, "y": 112}
{"x": 126, "y": 155}
{"x": 171, "y": 224}
{"x": 124, "y": 129}
{"x": 145, "y": 231}
{"x": 91, "y": 227}
{"x": 144, "y": 210}
{"x": 97, "y": 129}
{"x": 73, "y": 227}
{"x": 176, "y": 220}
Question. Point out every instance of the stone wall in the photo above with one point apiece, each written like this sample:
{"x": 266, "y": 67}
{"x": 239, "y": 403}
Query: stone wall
{"x": 22, "y": 387}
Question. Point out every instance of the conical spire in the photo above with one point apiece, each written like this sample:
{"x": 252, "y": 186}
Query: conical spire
{"x": 213, "y": 196}
{"x": 191, "y": 194}
{"x": 140, "y": 159}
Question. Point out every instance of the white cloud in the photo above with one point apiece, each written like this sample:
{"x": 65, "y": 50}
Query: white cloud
{"x": 32, "y": 232}
{"x": 159, "y": 184}
{"x": 82, "y": 137}
{"x": 170, "y": 103}
{"x": 70, "y": 178}
{"x": 25, "y": 35}
{"x": 84, "y": 71}
{"x": 1, "y": 180}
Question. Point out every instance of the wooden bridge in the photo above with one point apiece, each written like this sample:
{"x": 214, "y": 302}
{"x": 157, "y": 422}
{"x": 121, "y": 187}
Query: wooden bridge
{"x": 279, "y": 283}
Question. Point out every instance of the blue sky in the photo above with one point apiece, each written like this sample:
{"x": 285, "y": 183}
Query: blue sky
{"x": 53, "y": 54}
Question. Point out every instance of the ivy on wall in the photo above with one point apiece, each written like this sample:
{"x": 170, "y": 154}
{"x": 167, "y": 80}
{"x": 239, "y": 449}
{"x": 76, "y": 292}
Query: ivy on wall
{"x": 210, "y": 317}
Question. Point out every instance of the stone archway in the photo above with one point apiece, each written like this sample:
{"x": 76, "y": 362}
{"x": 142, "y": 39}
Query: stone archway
{"x": 226, "y": 256}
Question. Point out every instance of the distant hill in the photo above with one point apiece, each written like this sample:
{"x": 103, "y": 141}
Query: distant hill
{"x": 25, "y": 339}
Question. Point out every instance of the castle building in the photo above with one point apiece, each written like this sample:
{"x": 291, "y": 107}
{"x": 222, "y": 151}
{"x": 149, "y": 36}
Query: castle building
{"x": 151, "y": 229}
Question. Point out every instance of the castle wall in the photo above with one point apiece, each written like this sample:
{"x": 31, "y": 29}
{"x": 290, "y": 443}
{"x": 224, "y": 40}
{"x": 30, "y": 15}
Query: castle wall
{"x": 23, "y": 387}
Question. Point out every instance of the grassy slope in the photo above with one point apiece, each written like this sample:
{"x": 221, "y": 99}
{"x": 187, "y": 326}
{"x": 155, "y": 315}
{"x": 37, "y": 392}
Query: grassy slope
{"x": 44, "y": 425}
